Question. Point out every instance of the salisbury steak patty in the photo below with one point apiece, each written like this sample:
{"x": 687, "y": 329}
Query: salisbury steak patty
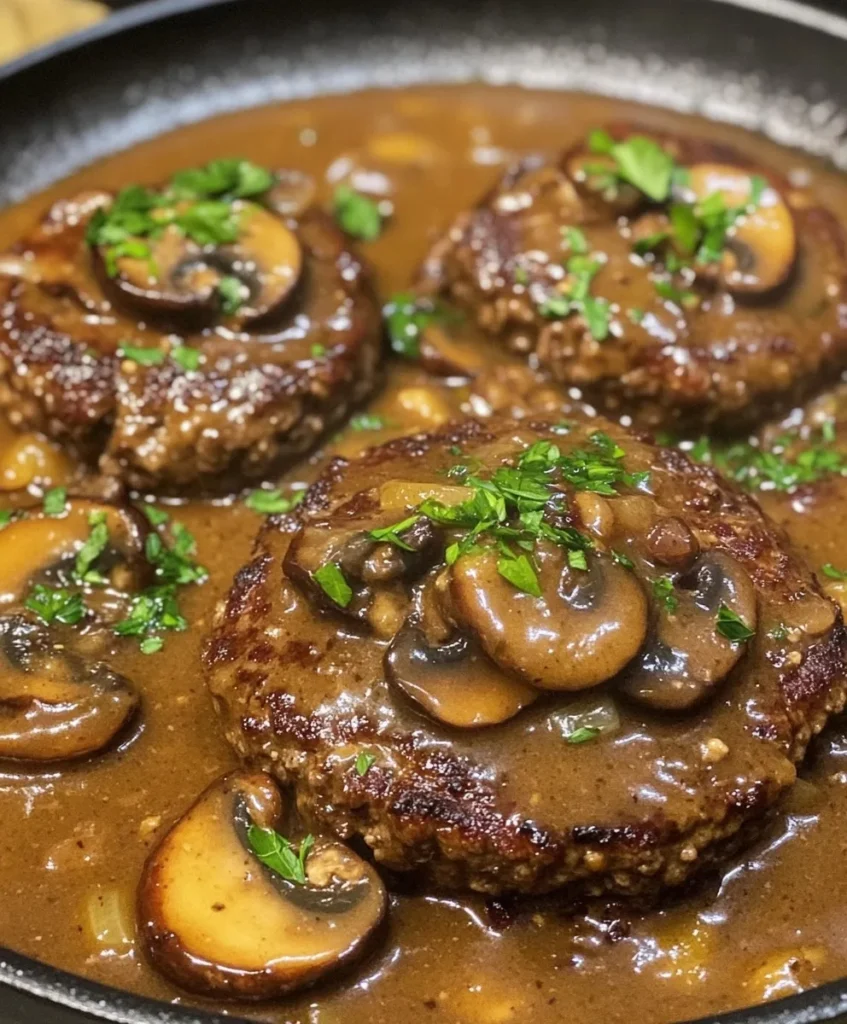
{"x": 187, "y": 336}
{"x": 527, "y": 655}
{"x": 669, "y": 278}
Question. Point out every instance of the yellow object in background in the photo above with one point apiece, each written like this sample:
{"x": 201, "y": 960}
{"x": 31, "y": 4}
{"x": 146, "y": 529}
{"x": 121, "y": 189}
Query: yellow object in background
{"x": 28, "y": 23}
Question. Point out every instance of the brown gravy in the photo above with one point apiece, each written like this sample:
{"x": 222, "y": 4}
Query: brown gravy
{"x": 768, "y": 928}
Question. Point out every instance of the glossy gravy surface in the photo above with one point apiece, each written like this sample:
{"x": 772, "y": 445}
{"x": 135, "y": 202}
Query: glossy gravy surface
{"x": 771, "y": 926}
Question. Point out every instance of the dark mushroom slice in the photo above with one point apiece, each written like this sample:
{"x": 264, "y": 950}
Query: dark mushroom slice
{"x": 182, "y": 278}
{"x": 42, "y": 548}
{"x": 55, "y": 706}
{"x": 454, "y": 681}
{"x": 367, "y": 565}
{"x": 687, "y": 657}
{"x": 761, "y": 247}
{"x": 585, "y": 627}
{"x": 219, "y": 922}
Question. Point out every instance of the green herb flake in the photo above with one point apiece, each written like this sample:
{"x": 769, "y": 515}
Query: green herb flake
{"x": 94, "y": 546}
{"x": 278, "y": 853}
{"x": 575, "y": 240}
{"x": 55, "y": 501}
{"x": 364, "y": 762}
{"x": 56, "y": 604}
{"x": 663, "y": 591}
{"x": 151, "y": 645}
{"x": 642, "y": 162}
{"x": 730, "y": 625}
{"x": 317, "y": 351}
{"x": 624, "y": 560}
{"x": 584, "y": 734}
{"x": 233, "y": 294}
{"x": 357, "y": 214}
{"x": 6, "y": 516}
{"x": 331, "y": 580}
{"x": 391, "y": 534}
{"x": 186, "y": 358}
{"x": 155, "y": 516}
{"x": 520, "y": 573}
{"x": 407, "y": 316}
{"x": 834, "y": 574}
{"x": 143, "y": 356}
{"x": 273, "y": 502}
{"x": 367, "y": 421}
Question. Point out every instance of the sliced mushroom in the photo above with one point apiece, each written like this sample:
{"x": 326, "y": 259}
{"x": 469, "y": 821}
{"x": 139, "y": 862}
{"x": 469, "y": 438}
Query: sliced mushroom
{"x": 454, "y": 681}
{"x": 686, "y": 657}
{"x": 218, "y": 922}
{"x": 366, "y": 564}
{"x": 42, "y": 548}
{"x": 586, "y": 626}
{"x": 54, "y": 706}
{"x": 183, "y": 279}
{"x": 761, "y": 247}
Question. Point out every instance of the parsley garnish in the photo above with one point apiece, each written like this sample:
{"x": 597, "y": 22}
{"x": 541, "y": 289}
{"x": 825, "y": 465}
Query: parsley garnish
{"x": 406, "y": 318}
{"x": 575, "y": 240}
{"x": 55, "y": 501}
{"x": 391, "y": 534}
{"x": 640, "y": 161}
{"x": 332, "y": 582}
{"x": 583, "y": 734}
{"x": 575, "y": 298}
{"x": 623, "y": 559}
{"x": 94, "y": 546}
{"x": 155, "y": 516}
{"x": 518, "y": 570}
{"x": 151, "y": 645}
{"x": 364, "y": 762}
{"x": 663, "y": 591}
{"x": 271, "y": 503}
{"x": 278, "y": 853}
{"x": 730, "y": 625}
{"x": 229, "y": 178}
{"x": 143, "y": 356}
{"x": 232, "y": 292}
{"x": 186, "y": 357}
{"x": 367, "y": 421}
{"x": 317, "y": 351}
{"x": 833, "y": 573}
{"x": 56, "y": 604}
{"x": 356, "y": 214}
{"x": 6, "y": 516}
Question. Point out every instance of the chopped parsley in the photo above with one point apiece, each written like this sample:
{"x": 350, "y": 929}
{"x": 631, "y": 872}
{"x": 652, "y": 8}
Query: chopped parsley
{"x": 663, "y": 591}
{"x": 777, "y": 467}
{"x": 278, "y": 853}
{"x": 198, "y": 202}
{"x": 639, "y": 161}
{"x": 575, "y": 297}
{"x": 391, "y": 534}
{"x": 406, "y": 318}
{"x": 155, "y": 516}
{"x": 55, "y": 501}
{"x": 186, "y": 357}
{"x": 151, "y": 645}
{"x": 272, "y": 503}
{"x": 56, "y": 604}
{"x": 575, "y": 240}
{"x": 367, "y": 421}
{"x": 142, "y": 356}
{"x": 357, "y": 215}
{"x": 6, "y": 516}
{"x": 621, "y": 559}
{"x": 233, "y": 293}
{"x": 518, "y": 570}
{"x": 364, "y": 762}
{"x": 834, "y": 574}
{"x": 317, "y": 351}
{"x": 730, "y": 625}
{"x": 583, "y": 734}
{"x": 94, "y": 546}
{"x": 331, "y": 580}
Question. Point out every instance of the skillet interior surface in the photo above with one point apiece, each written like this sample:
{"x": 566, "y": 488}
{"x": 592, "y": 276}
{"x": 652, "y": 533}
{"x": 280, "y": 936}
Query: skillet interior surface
{"x": 773, "y": 67}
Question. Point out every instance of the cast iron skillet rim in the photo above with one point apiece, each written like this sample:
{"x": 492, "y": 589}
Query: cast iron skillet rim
{"x": 62, "y": 989}
{"x": 155, "y": 10}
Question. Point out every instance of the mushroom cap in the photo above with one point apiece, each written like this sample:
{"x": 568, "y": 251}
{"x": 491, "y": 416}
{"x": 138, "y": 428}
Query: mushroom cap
{"x": 55, "y": 705}
{"x": 218, "y": 922}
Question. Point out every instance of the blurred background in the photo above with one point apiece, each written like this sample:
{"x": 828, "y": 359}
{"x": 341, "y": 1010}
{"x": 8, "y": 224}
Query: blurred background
{"x": 28, "y": 23}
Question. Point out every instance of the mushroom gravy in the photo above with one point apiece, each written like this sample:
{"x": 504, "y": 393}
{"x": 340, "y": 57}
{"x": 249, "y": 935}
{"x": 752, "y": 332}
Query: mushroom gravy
{"x": 80, "y": 835}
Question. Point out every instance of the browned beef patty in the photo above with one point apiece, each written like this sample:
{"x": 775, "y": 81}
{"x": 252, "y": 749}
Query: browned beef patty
{"x": 616, "y": 718}
{"x": 263, "y": 382}
{"x": 680, "y": 326}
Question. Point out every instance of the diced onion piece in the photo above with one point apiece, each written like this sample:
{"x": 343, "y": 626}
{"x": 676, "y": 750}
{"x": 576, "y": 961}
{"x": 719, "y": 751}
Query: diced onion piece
{"x": 109, "y": 921}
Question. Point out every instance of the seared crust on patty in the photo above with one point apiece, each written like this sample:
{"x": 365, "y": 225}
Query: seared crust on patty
{"x": 684, "y": 347}
{"x": 516, "y": 807}
{"x": 260, "y": 395}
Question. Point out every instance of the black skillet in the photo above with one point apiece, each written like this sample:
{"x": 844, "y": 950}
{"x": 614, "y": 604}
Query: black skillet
{"x": 773, "y": 65}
